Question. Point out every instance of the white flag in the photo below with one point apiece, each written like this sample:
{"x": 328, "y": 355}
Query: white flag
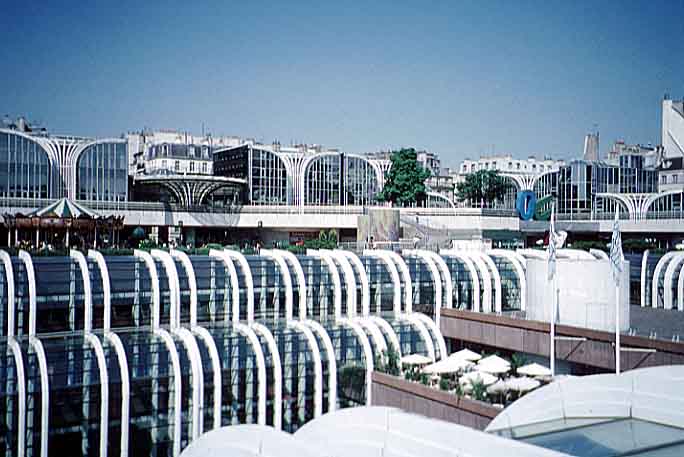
{"x": 551, "y": 249}
{"x": 616, "y": 256}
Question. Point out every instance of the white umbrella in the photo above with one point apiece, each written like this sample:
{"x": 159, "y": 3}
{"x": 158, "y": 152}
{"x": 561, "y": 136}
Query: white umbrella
{"x": 477, "y": 376}
{"x": 494, "y": 364}
{"x": 534, "y": 370}
{"x": 415, "y": 359}
{"x": 523, "y": 384}
{"x": 499, "y": 387}
{"x": 466, "y": 354}
{"x": 448, "y": 365}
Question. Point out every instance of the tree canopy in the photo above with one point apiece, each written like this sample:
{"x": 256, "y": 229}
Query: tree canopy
{"x": 483, "y": 186}
{"x": 405, "y": 181}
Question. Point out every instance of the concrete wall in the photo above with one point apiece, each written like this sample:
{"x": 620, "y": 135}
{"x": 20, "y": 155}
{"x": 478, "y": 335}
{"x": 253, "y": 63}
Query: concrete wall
{"x": 586, "y": 297}
{"x": 419, "y": 399}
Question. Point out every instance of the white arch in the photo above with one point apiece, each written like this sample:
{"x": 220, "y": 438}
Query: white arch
{"x": 668, "y": 282}
{"x": 317, "y": 328}
{"x": 104, "y": 390}
{"x": 115, "y": 341}
{"x": 389, "y": 331}
{"x": 234, "y": 286}
{"x": 277, "y": 373}
{"x": 195, "y": 358}
{"x": 486, "y": 280}
{"x": 644, "y": 267}
{"x": 154, "y": 283}
{"x": 349, "y": 279}
{"x": 652, "y": 198}
{"x": 106, "y": 287}
{"x": 414, "y": 320}
{"x": 664, "y": 260}
{"x": 80, "y": 260}
{"x": 183, "y": 258}
{"x": 367, "y": 353}
{"x": 494, "y": 272}
{"x": 287, "y": 281}
{"x": 37, "y": 347}
{"x": 680, "y": 290}
{"x": 436, "y": 278}
{"x": 474, "y": 280}
{"x": 363, "y": 277}
{"x": 431, "y": 326}
{"x": 21, "y": 394}
{"x": 337, "y": 286}
{"x": 448, "y": 294}
{"x": 248, "y": 332}
{"x": 406, "y": 276}
{"x": 209, "y": 342}
{"x": 31, "y": 279}
{"x": 247, "y": 272}
{"x": 174, "y": 289}
{"x": 519, "y": 269}
{"x": 177, "y": 392}
{"x": 318, "y": 365}
{"x": 301, "y": 279}
{"x": 11, "y": 297}
{"x": 440, "y": 197}
{"x": 394, "y": 274}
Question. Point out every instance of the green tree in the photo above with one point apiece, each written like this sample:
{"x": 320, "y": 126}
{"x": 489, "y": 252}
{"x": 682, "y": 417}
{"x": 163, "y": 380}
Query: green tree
{"x": 480, "y": 187}
{"x": 405, "y": 181}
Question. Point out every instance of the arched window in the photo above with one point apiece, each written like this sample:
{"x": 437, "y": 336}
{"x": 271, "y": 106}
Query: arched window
{"x": 361, "y": 182}
{"x": 268, "y": 179}
{"x": 323, "y": 181}
{"x": 102, "y": 172}
{"x": 24, "y": 168}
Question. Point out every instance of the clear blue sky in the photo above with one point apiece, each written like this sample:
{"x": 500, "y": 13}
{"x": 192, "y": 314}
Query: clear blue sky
{"x": 457, "y": 78}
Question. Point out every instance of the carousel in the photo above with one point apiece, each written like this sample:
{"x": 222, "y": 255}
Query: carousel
{"x": 61, "y": 221}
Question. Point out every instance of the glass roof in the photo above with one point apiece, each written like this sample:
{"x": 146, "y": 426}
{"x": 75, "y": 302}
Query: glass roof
{"x": 608, "y": 438}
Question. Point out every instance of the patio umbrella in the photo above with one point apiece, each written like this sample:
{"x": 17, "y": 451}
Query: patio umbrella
{"x": 65, "y": 209}
{"x": 494, "y": 364}
{"x": 466, "y": 354}
{"x": 477, "y": 376}
{"x": 534, "y": 370}
{"x": 415, "y": 359}
{"x": 499, "y": 387}
{"x": 448, "y": 365}
{"x": 522, "y": 384}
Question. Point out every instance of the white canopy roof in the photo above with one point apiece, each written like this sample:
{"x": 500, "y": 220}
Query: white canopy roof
{"x": 448, "y": 365}
{"x": 534, "y": 369}
{"x": 466, "y": 354}
{"x": 494, "y": 364}
{"x": 415, "y": 359}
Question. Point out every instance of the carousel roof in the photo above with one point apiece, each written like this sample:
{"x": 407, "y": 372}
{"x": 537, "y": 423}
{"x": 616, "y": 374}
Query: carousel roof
{"x": 66, "y": 209}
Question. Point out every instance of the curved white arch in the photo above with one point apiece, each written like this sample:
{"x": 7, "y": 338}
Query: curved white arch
{"x": 106, "y": 286}
{"x": 261, "y": 370}
{"x": 441, "y": 197}
{"x": 301, "y": 280}
{"x": 318, "y": 329}
{"x": 287, "y": 281}
{"x": 87, "y": 290}
{"x": 31, "y": 279}
{"x": 11, "y": 296}
{"x": 494, "y": 272}
{"x": 394, "y": 274}
{"x": 115, "y": 341}
{"x": 373, "y": 331}
{"x": 363, "y": 277}
{"x": 414, "y": 320}
{"x": 389, "y": 331}
{"x": 448, "y": 294}
{"x": 680, "y": 290}
{"x": 209, "y": 342}
{"x": 104, "y": 389}
{"x": 436, "y": 278}
{"x": 37, "y": 347}
{"x": 350, "y": 282}
{"x": 486, "y": 281}
{"x": 367, "y": 353}
{"x": 652, "y": 198}
{"x": 188, "y": 340}
{"x": 474, "y": 279}
{"x": 234, "y": 314}
{"x": 668, "y": 282}
{"x": 337, "y": 285}
{"x": 519, "y": 269}
{"x": 644, "y": 267}
{"x": 277, "y": 373}
{"x": 247, "y": 272}
{"x": 318, "y": 365}
{"x": 21, "y": 394}
{"x": 664, "y": 260}
{"x": 154, "y": 283}
{"x": 431, "y": 326}
{"x": 177, "y": 392}
{"x": 184, "y": 259}
{"x": 406, "y": 276}
{"x": 173, "y": 280}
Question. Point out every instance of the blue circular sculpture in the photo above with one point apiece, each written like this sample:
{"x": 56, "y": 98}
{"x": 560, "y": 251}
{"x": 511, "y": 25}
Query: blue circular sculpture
{"x": 526, "y": 204}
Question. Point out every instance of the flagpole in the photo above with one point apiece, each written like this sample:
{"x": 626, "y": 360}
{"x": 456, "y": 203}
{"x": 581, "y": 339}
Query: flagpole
{"x": 617, "y": 328}
{"x": 552, "y": 349}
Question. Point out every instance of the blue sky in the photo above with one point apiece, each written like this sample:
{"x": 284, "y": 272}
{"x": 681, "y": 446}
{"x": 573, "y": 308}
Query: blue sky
{"x": 457, "y": 78}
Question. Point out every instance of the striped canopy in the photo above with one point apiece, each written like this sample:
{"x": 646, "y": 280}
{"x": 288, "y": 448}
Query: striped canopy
{"x": 66, "y": 209}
